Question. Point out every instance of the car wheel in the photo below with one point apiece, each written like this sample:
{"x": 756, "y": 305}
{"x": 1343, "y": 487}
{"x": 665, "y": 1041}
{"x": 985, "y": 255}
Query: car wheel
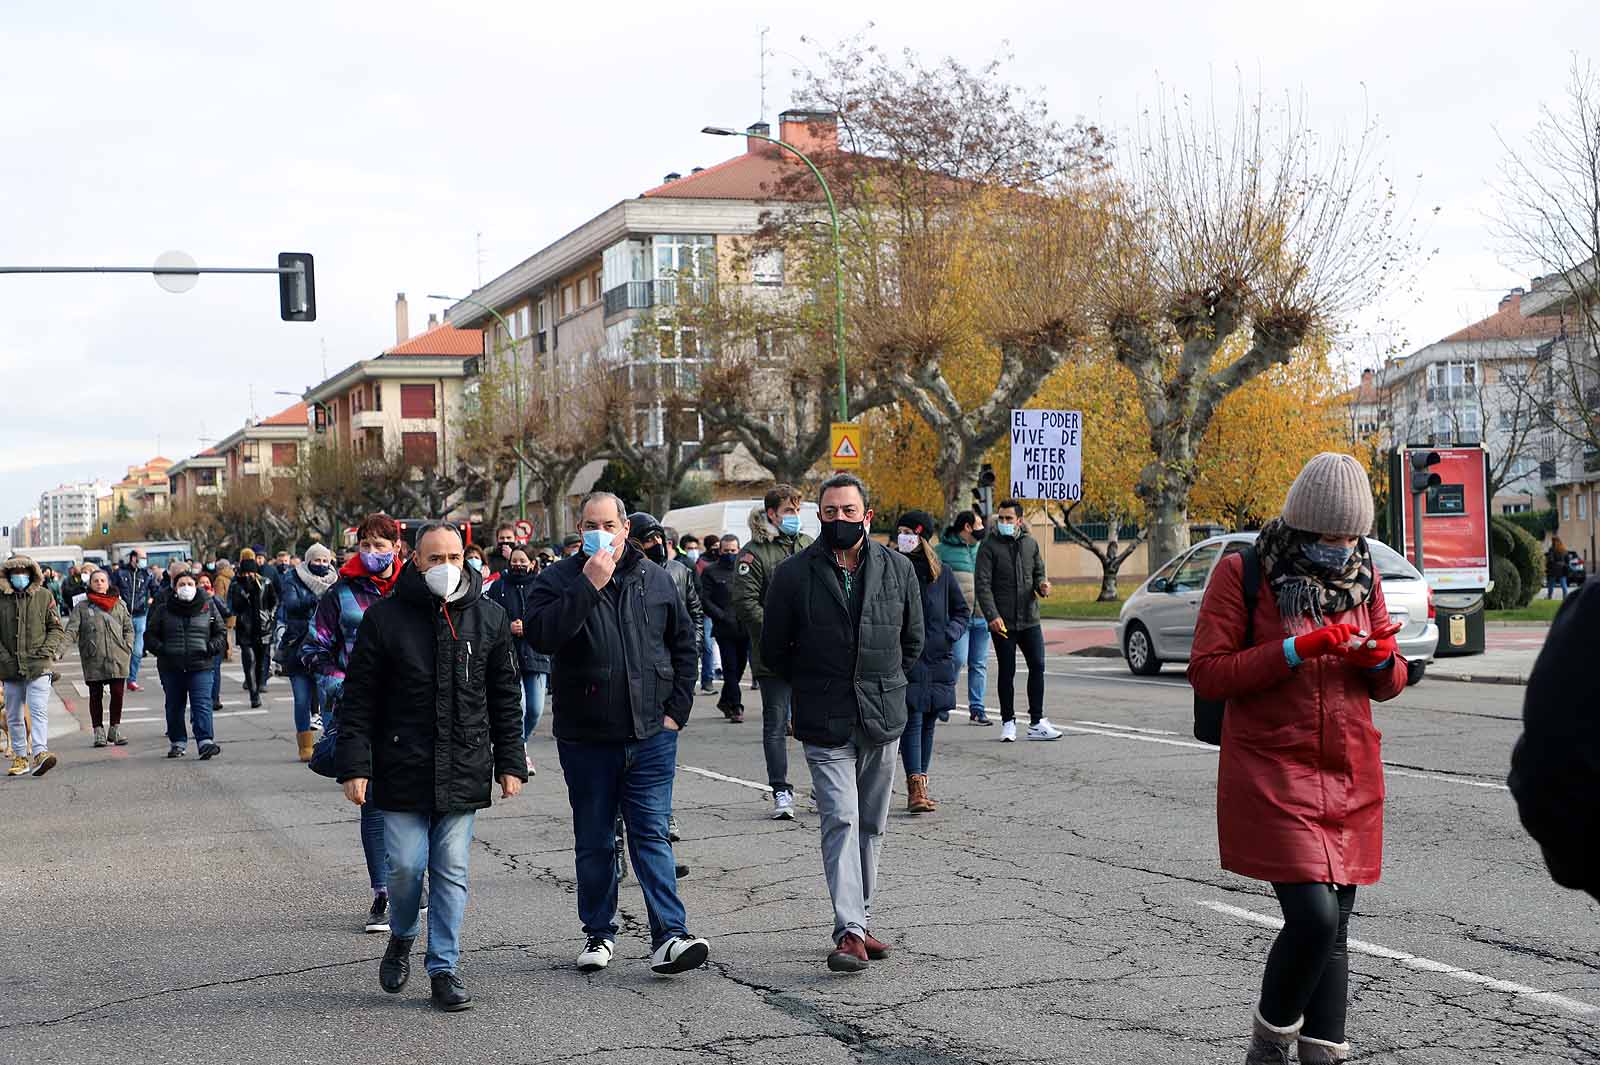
{"x": 1415, "y": 672}
{"x": 1140, "y": 652}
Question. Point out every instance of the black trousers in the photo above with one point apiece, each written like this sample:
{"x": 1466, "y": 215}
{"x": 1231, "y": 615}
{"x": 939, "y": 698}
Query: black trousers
{"x": 735, "y": 650}
{"x": 256, "y": 661}
{"x": 1308, "y": 968}
{"x": 1005, "y": 651}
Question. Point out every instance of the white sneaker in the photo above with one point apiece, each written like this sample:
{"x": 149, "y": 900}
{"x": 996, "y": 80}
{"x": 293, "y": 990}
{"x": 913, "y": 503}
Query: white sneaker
{"x": 783, "y": 806}
{"x": 1043, "y": 730}
{"x": 1008, "y": 732}
{"x": 679, "y": 954}
{"x": 596, "y": 954}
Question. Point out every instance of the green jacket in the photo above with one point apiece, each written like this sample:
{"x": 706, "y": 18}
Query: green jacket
{"x": 31, "y": 633}
{"x": 766, "y": 548}
{"x": 960, "y": 558}
{"x": 1007, "y": 575}
{"x": 105, "y": 639}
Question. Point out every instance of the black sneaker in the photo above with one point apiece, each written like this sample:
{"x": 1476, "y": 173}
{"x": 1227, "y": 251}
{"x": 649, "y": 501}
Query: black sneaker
{"x": 449, "y": 993}
{"x": 395, "y": 968}
{"x": 378, "y": 916}
{"x": 209, "y": 750}
{"x": 177, "y": 750}
{"x": 672, "y": 828}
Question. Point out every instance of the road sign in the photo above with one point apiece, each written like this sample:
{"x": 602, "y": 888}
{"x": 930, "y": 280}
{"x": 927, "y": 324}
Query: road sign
{"x": 524, "y": 530}
{"x": 845, "y": 447}
{"x": 1047, "y": 455}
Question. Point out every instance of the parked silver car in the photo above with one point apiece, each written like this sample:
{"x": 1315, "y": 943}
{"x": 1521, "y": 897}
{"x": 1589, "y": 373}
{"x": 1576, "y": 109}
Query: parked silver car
{"x": 1157, "y": 622}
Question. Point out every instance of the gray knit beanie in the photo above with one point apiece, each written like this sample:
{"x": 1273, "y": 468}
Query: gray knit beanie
{"x": 1331, "y": 496}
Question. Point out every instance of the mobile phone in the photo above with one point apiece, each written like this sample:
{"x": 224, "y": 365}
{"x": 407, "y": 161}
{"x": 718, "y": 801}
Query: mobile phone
{"x": 1388, "y": 630}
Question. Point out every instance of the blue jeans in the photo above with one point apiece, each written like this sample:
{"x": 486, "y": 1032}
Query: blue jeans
{"x": 304, "y": 686}
{"x": 708, "y": 651}
{"x": 776, "y": 698}
{"x": 138, "y": 646}
{"x": 1550, "y": 587}
{"x": 374, "y": 848}
{"x": 28, "y": 714}
{"x": 194, "y": 687}
{"x": 916, "y": 746}
{"x": 216, "y": 684}
{"x": 973, "y": 653}
{"x": 637, "y": 777}
{"x": 439, "y": 845}
{"x": 533, "y": 685}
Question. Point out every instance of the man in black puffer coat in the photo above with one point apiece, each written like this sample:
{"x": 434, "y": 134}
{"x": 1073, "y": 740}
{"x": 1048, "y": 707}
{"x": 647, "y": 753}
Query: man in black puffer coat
{"x": 431, "y": 714}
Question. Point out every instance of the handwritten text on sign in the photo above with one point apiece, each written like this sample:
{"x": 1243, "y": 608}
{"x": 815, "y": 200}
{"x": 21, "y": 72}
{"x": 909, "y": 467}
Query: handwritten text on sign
{"x": 1047, "y": 454}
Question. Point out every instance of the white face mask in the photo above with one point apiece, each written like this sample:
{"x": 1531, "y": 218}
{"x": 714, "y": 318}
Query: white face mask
{"x": 907, "y": 542}
{"x": 442, "y": 579}
{"x": 185, "y": 592}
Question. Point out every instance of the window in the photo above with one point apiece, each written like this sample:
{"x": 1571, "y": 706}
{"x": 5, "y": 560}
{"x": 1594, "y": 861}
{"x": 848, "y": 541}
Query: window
{"x": 583, "y": 292}
{"x": 358, "y": 401}
{"x": 420, "y": 449}
{"x": 594, "y": 285}
{"x": 1191, "y": 576}
{"x": 1566, "y": 507}
{"x": 377, "y": 395}
{"x": 1505, "y": 419}
{"x": 285, "y": 455}
{"x": 767, "y": 267}
{"x": 566, "y": 299}
{"x": 416, "y": 401}
{"x": 1583, "y": 506}
{"x": 685, "y": 256}
{"x": 541, "y": 316}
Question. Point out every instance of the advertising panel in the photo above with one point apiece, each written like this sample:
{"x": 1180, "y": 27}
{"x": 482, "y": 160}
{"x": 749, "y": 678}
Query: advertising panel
{"x": 1455, "y": 520}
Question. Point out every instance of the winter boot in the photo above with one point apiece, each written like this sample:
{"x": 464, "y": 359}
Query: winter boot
{"x": 928, "y": 805}
{"x": 306, "y": 740}
{"x": 115, "y": 737}
{"x": 1322, "y": 1052}
{"x": 917, "y": 794}
{"x": 1270, "y": 1045}
{"x": 99, "y": 736}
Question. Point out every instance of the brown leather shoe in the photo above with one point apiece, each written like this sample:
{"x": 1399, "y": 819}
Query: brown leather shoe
{"x": 850, "y": 956}
{"x": 877, "y": 949}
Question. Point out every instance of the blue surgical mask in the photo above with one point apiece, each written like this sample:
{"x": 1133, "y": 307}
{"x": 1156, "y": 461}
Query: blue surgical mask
{"x": 1330, "y": 557}
{"x": 596, "y": 541}
{"x": 476, "y": 564}
{"x": 1005, "y": 528}
{"x": 693, "y": 554}
{"x": 19, "y": 581}
{"x": 790, "y": 525}
{"x": 144, "y": 563}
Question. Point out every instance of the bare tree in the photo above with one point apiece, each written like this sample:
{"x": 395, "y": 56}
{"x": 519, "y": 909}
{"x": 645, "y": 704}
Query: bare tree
{"x": 1111, "y": 556}
{"x": 1258, "y": 227}
{"x": 653, "y": 426}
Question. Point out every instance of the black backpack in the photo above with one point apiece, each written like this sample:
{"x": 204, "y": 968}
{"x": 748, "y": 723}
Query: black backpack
{"x": 1208, "y": 713}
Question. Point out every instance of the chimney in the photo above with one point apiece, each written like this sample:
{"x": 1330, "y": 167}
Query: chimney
{"x": 1513, "y": 297}
{"x": 670, "y": 178}
{"x": 810, "y": 131}
{"x": 754, "y": 146}
{"x": 433, "y": 320}
{"x": 402, "y": 319}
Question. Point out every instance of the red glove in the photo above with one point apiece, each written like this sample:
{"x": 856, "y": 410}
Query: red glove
{"x": 1329, "y": 639}
{"x": 1372, "y": 657}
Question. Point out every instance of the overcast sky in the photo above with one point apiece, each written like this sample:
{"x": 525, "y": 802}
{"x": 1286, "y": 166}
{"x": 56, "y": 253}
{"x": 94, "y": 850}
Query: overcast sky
{"x": 383, "y": 136}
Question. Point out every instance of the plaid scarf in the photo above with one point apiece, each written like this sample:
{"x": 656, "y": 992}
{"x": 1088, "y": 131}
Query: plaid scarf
{"x": 1303, "y": 589}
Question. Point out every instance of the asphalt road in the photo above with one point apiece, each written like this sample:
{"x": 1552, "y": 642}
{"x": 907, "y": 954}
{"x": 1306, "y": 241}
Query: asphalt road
{"x": 1064, "y": 905}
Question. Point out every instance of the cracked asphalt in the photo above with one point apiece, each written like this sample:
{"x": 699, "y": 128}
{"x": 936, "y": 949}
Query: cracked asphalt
{"x": 1053, "y": 910}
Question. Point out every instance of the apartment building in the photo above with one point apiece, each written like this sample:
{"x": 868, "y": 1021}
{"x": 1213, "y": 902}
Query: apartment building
{"x": 144, "y": 488}
{"x": 70, "y": 512}
{"x": 585, "y": 299}
{"x": 198, "y": 479}
{"x": 407, "y": 400}
{"x": 264, "y": 450}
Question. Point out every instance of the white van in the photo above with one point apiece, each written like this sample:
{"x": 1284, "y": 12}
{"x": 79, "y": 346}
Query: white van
{"x": 159, "y": 553}
{"x": 731, "y": 516}
{"x": 58, "y": 557}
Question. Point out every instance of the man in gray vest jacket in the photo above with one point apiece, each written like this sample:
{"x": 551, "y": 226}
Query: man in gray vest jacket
{"x": 843, "y": 626}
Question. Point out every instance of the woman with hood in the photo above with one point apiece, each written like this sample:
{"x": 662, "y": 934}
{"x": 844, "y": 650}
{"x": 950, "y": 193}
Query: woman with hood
{"x": 931, "y": 693}
{"x": 185, "y": 634}
{"x": 299, "y": 591}
{"x": 103, "y": 629}
{"x": 366, "y": 578}
{"x": 31, "y": 635}
{"x": 1300, "y": 779}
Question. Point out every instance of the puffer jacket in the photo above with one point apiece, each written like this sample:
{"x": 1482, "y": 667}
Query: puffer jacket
{"x": 845, "y": 674}
{"x": 511, "y": 591}
{"x": 944, "y": 624}
{"x": 332, "y": 635}
{"x": 766, "y": 548}
{"x": 960, "y": 558}
{"x": 253, "y": 601}
{"x": 297, "y": 603}
{"x": 31, "y": 632}
{"x": 104, "y": 638}
{"x": 186, "y": 637}
{"x": 431, "y": 711}
{"x": 1007, "y": 573}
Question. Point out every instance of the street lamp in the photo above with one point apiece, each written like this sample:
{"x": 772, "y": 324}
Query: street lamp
{"x": 516, "y": 388}
{"x": 838, "y": 255}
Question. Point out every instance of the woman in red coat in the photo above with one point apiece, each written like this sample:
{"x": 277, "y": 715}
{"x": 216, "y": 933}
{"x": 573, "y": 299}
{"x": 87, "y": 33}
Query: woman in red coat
{"x": 1300, "y": 781}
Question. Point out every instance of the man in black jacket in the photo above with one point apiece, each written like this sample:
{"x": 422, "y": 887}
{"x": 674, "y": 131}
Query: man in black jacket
{"x": 139, "y": 592}
{"x": 430, "y": 715}
{"x": 718, "y": 585}
{"x": 843, "y": 625}
{"x": 622, "y": 668}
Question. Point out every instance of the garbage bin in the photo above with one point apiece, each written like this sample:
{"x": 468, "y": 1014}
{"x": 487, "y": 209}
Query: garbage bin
{"x": 1461, "y": 619}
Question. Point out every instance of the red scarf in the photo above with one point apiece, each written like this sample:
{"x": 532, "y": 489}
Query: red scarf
{"x": 107, "y": 602}
{"x": 356, "y": 568}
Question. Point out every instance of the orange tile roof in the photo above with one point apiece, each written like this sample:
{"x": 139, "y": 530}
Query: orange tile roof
{"x": 1508, "y": 323}
{"x": 751, "y": 176}
{"x": 295, "y": 415}
{"x": 442, "y": 340}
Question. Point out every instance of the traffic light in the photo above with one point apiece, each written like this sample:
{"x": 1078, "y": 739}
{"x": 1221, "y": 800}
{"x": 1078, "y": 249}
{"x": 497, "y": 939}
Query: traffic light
{"x": 1421, "y": 478}
{"x": 297, "y": 290}
{"x": 105, "y": 528}
{"x": 983, "y": 495}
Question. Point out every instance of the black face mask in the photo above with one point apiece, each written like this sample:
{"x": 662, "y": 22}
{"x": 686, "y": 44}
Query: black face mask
{"x": 727, "y": 558}
{"x": 520, "y": 571}
{"x": 319, "y": 568}
{"x": 842, "y": 535}
{"x": 656, "y": 553}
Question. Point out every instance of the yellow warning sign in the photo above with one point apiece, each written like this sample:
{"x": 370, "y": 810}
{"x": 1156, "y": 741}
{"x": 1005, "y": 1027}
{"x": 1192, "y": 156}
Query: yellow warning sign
{"x": 845, "y": 451}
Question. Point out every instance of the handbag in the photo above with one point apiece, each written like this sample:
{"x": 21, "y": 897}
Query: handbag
{"x": 323, "y": 761}
{"x": 1208, "y": 712}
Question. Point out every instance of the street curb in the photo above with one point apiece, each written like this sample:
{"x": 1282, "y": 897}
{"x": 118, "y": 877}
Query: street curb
{"x": 1477, "y": 678}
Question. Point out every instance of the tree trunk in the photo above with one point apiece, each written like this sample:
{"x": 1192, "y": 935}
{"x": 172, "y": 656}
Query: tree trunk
{"x": 1169, "y": 523}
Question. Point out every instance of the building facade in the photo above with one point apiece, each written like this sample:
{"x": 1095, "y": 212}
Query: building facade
{"x": 260, "y": 452}
{"x": 69, "y": 512}
{"x": 143, "y": 489}
{"x": 198, "y": 480}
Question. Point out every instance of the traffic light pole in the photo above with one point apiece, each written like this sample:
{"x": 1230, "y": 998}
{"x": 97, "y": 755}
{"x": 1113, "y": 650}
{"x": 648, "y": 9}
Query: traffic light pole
{"x": 1417, "y": 499}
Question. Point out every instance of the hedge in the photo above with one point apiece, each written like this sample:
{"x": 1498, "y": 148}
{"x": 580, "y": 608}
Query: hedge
{"x": 1511, "y": 542}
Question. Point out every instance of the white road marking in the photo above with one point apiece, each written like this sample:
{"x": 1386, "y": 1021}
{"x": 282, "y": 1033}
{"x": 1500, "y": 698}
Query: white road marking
{"x": 81, "y": 689}
{"x": 1427, "y": 965}
{"x": 1110, "y": 679}
{"x": 712, "y": 774}
{"x": 1143, "y": 739}
{"x": 163, "y": 720}
{"x": 1128, "y": 728}
{"x": 1447, "y": 778}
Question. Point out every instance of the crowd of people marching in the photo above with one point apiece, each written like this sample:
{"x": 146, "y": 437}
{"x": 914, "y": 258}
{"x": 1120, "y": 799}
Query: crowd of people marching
{"x": 426, "y": 667}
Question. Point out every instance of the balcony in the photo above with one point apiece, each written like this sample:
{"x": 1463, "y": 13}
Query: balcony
{"x": 638, "y": 295}
{"x": 367, "y": 419}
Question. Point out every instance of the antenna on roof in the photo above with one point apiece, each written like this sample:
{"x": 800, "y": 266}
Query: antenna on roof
{"x": 479, "y": 237}
{"x": 324, "y": 357}
{"x": 762, "y": 114}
